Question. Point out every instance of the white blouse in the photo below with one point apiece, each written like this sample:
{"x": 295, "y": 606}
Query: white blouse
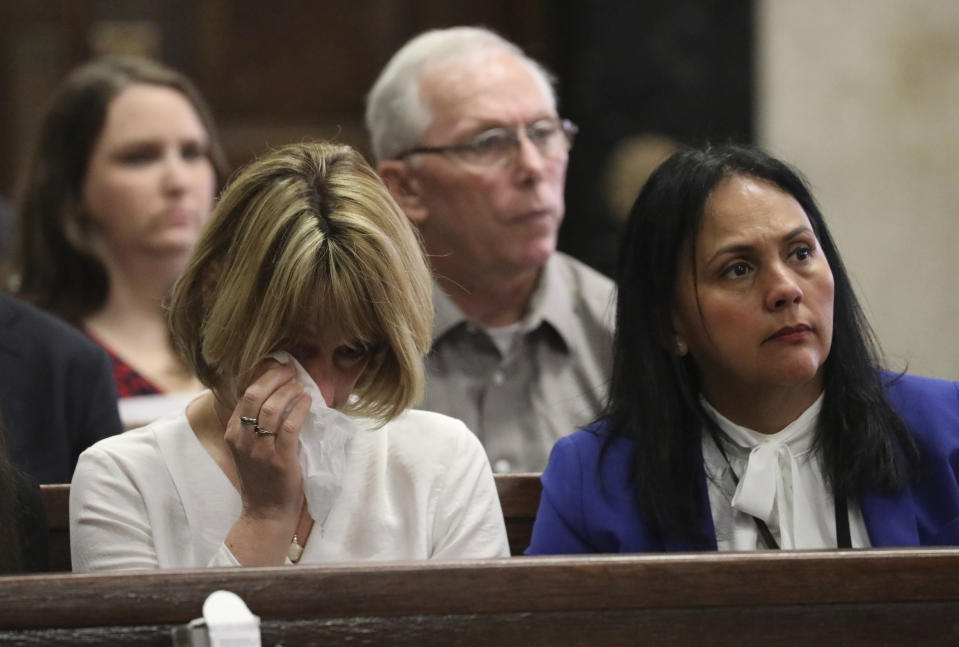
{"x": 780, "y": 482}
{"x": 418, "y": 487}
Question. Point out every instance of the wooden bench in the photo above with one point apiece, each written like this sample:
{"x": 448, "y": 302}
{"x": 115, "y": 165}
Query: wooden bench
{"x": 825, "y": 597}
{"x": 519, "y": 498}
{"x": 518, "y": 495}
{"x": 56, "y": 504}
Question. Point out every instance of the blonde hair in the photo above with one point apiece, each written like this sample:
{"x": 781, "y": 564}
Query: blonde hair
{"x": 305, "y": 236}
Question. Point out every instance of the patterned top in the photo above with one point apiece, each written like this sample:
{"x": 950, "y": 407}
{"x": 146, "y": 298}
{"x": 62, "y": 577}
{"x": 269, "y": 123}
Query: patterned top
{"x": 129, "y": 381}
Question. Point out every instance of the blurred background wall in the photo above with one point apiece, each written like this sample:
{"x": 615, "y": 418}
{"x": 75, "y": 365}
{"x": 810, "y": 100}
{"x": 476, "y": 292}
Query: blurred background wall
{"x": 859, "y": 95}
{"x": 864, "y": 98}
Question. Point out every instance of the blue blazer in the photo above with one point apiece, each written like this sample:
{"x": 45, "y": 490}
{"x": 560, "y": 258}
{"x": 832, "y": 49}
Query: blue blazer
{"x": 585, "y": 509}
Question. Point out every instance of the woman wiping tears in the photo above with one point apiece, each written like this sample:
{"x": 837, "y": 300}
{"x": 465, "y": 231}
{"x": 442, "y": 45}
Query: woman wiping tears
{"x": 306, "y": 311}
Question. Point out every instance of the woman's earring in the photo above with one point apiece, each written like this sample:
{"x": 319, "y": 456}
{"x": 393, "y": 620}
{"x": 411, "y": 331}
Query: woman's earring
{"x": 681, "y": 347}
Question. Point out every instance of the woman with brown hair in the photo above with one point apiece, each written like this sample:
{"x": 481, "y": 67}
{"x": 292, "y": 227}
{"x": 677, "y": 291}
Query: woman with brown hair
{"x": 121, "y": 182}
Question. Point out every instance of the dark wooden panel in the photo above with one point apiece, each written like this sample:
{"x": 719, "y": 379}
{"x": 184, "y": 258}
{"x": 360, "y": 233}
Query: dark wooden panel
{"x": 56, "y": 504}
{"x": 867, "y": 625}
{"x": 39, "y": 43}
{"x": 277, "y": 73}
{"x": 519, "y": 497}
{"x": 273, "y": 72}
{"x": 854, "y": 597}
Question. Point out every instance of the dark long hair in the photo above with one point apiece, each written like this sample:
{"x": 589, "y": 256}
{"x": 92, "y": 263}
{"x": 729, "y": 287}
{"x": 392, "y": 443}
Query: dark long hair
{"x": 51, "y": 264}
{"x": 11, "y": 512}
{"x": 654, "y": 393}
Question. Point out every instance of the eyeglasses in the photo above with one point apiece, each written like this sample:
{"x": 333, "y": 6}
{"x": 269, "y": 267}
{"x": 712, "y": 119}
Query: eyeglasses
{"x": 498, "y": 146}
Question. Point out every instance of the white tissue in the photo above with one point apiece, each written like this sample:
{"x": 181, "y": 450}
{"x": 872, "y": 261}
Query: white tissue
{"x": 324, "y": 440}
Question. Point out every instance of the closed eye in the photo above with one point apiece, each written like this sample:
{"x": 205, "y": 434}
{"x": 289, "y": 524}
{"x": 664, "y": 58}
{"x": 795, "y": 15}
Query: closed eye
{"x": 350, "y": 355}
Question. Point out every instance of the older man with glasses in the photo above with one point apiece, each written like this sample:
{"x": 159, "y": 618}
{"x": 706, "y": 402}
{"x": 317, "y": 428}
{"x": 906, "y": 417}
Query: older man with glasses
{"x": 466, "y": 134}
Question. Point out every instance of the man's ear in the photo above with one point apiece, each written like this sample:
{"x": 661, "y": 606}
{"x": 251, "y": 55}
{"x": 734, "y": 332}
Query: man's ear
{"x": 405, "y": 187}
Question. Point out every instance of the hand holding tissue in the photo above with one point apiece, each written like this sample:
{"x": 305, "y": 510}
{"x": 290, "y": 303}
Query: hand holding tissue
{"x": 324, "y": 441}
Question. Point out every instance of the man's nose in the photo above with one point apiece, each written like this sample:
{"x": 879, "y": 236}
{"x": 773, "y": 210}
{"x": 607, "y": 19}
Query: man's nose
{"x": 529, "y": 158}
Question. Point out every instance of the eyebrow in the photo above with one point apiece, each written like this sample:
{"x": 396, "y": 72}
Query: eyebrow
{"x": 136, "y": 145}
{"x": 482, "y": 125}
{"x": 744, "y": 248}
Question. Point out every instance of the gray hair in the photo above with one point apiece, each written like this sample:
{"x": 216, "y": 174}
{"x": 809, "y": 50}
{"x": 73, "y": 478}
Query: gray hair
{"x": 396, "y": 115}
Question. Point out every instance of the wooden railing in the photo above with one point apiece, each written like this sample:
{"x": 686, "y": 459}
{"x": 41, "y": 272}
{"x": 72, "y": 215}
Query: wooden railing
{"x": 869, "y": 597}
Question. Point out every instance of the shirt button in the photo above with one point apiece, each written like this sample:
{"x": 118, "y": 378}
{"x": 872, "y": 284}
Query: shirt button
{"x": 501, "y": 466}
{"x": 498, "y": 377}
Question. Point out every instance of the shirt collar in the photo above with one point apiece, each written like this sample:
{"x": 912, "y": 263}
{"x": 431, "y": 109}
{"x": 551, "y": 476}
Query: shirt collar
{"x": 797, "y": 435}
{"x": 774, "y": 486}
{"x": 551, "y": 303}
{"x": 447, "y": 314}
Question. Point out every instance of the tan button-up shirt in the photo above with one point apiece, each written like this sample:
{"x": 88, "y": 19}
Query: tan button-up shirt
{"x": 550, "y": 383}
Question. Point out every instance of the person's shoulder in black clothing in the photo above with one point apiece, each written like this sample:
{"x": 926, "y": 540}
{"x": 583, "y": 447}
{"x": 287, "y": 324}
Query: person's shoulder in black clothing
{"x": 57, "y": 393}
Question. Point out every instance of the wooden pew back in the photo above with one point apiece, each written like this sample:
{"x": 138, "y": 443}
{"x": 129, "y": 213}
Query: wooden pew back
{"x": 518, "y": 494}
{"x": 56, "y": 504}
{"x": 519, "y": 497}
{"x": 811, "y": 598}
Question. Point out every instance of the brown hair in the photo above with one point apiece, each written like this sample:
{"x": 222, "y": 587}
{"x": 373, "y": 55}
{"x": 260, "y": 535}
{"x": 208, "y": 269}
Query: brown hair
{"x": 51, "y": 265}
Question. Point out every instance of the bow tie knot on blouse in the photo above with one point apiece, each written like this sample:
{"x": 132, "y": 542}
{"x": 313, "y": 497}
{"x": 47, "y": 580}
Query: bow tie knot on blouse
{"x": 776, "y": 484}
{"x": 768, "y": 479}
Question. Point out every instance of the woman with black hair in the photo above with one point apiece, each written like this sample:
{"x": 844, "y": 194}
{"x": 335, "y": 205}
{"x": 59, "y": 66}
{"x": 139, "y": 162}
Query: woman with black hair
{"x": 747, "y": 408}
